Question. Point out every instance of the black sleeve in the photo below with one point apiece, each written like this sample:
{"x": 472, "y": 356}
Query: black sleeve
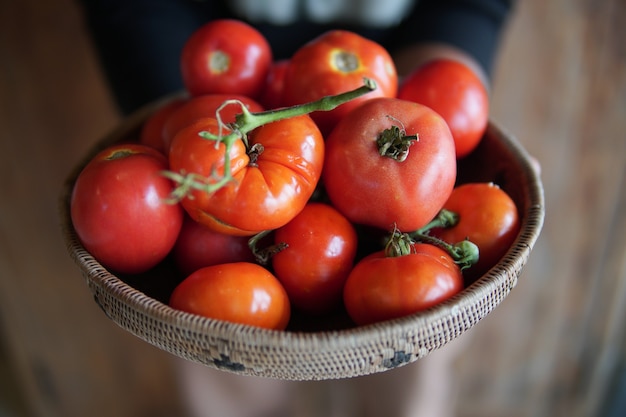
{"x": 473, "y": 26}
{"x": 138, "y": 44}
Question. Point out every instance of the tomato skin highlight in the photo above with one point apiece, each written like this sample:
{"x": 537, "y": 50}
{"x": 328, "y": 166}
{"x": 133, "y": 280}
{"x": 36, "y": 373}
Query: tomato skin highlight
{"x": 382, "y": 288}
{"x": 379, "y": 191}
{"x": 317, "y": 70}
{"x": 225, "y": 56}
{"x": 241, "y": 292}
{"x": 488, "y": 217}
{"x": 263, "y": 196}
{"x": 321, "y": 249}
{"x": 118, "y": 210}
{"x": 455, "y": 92}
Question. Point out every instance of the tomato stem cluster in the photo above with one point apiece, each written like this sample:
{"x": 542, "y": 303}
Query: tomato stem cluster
{"x": 394, "y": 143}
{"x": 399, "y": 244}
{"x": 245, "y": 122}
{"x": 464, "y": 253}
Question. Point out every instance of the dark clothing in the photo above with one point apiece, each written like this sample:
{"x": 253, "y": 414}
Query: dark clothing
{"x": 139, "y": 41}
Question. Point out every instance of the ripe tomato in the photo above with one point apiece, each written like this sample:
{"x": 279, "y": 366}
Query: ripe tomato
{"x": 198, "y": 246}
{"x": 202, "y": 106}
{"x": 488, "y": 217}
{"x": 268, "y": 190}
{"x": 380, "y": 191}
{"x": 118, "y": 209}
{"x": 241, "y": 292}
{"x": 313, "y": 268}
{"x": 335, "y": 62}
{"x": 151, "y": 133}
{"x": 272, "y": 94}
{"x": 454, "y": 91}
{"x": 382, "y": 287}
{"x": 225, "y": 56}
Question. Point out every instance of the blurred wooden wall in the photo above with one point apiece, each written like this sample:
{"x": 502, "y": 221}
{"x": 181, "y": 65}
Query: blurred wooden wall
{"x": 553, "y": 348}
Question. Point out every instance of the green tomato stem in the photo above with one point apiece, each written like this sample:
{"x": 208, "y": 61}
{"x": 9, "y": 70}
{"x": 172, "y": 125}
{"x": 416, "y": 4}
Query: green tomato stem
{"x": 464, "y": 253}
{"x": 246, "y": 121}
{"x": 444, "y": 219}
{"x": 264, "y": 255}
{"x": 399, "y": 244}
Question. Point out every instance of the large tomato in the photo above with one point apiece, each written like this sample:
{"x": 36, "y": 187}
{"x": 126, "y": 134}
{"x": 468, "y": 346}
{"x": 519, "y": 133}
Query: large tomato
{"x": 321, "y": 246}
{"x": 382, "y": 287}
{"x": 488, "y": 217}
{"x": 118, "y": 209}
{"x": 273, "y": 177}
{"x": 225, "y": 56}
{"x": 206, "y": 105}
{"x": 335, "y": 62}
{"x": 454, "y": 91}
{"x": 241, "y": 292}
{"x": 404, "y": 186}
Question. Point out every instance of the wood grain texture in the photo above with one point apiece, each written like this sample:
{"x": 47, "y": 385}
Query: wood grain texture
{"x": 551, "y": 349}
{"x": 53, "y": 105}
{"x": 561, "y": 87}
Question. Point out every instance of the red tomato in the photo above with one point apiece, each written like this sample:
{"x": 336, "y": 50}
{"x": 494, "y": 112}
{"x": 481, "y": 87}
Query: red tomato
{"x": 454, "y": 91}
{"x": 198, "y": 246}
{"x": 313, "y": 268}
{"x": 333, "y": 63}
{"x": 381, "y": 287}
{"x": 151, "y": 133}
{"x": 381, "y": 191}
{"x": 225, "y": 56}
{"x": 268, "y": 191}
{"x": 488, "y": 217}
{"x": 202, "y": 106}
{"x": 118, "y": 208}
{"x": 272, "y": 94}
{"x": 241, "y": 292}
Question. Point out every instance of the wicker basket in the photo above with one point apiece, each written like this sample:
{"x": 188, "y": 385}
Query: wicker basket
{"x": 328, "y": 354}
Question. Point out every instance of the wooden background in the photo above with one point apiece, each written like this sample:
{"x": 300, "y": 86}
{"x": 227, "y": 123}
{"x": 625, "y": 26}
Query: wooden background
{"x": 555, "y": 347}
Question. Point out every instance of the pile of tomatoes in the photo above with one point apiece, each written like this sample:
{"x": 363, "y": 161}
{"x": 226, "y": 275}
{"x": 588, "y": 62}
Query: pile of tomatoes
{"x": 314, "y": 185}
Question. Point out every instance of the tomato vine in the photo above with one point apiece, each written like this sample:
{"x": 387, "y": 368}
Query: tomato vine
{"x": 246, "y": 122}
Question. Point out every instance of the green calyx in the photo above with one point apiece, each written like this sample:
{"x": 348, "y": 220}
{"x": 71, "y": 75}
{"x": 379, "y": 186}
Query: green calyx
{"x": 394, "y": 143}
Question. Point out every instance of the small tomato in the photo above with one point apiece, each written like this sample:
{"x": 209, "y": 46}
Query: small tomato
{"x": 320, "y": 249}
{"x": 241, "y": 292}
{"x": 382, "y": 287}
{"x": 335, "y": 62}
{"x": 488, "y": 217}
{"x": 225, "y": 56}
{"x": 454, "y": 91}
